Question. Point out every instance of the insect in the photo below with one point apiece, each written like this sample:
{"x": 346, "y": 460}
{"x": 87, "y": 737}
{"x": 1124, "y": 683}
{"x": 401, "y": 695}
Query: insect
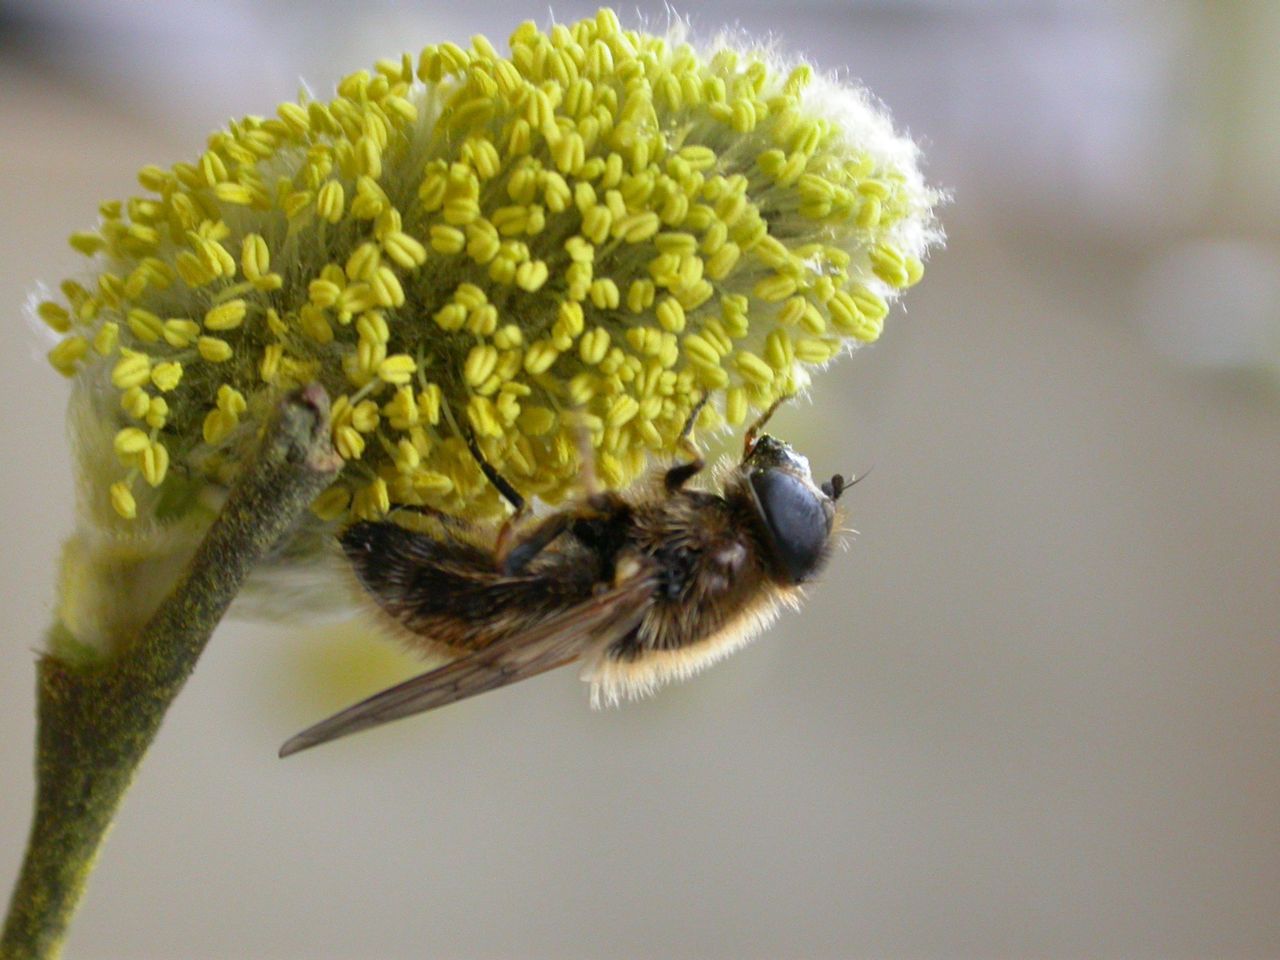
{"x": 643, "y": 586}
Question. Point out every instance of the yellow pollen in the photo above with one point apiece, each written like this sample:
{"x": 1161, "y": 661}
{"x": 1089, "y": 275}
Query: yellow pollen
{"x": 583, "y": 232}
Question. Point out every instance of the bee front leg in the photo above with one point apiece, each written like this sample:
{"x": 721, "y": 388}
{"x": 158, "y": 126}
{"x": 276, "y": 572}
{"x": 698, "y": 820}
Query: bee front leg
{"x": 682, "y": 473}
{"x": 753, "y": 431}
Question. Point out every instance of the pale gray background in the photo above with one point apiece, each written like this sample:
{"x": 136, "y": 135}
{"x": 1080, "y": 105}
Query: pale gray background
{"x": 1032, "y": 712}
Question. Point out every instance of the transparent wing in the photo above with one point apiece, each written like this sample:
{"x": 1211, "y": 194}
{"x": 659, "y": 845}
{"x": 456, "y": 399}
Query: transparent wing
{"x": 544, "y": 646}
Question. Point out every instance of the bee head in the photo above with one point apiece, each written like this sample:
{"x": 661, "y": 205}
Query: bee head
{"x": 797, "y": 515}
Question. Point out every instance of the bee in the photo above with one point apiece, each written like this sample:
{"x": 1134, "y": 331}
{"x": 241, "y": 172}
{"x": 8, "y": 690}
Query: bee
{"x": 643, "y": 586}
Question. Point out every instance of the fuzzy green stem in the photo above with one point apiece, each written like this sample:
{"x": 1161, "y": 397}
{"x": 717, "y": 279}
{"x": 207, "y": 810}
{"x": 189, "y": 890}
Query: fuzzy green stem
{"x": 95, "y": 723}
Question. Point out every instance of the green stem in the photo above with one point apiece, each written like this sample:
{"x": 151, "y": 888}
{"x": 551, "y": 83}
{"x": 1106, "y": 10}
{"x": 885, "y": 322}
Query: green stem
{"x": 95, "y": 723}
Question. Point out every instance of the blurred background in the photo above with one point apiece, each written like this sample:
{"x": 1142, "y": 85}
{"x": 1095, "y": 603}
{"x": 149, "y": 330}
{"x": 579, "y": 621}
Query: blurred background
{"x": 1032, "y": 712}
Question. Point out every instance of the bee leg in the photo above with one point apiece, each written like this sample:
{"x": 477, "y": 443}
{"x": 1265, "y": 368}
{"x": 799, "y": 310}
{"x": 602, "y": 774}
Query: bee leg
{"x": 681, "y": 473}
{"x": 512, "y": 523}
{"x": 753, "y": 431}
{"x": 493, "y": 476}
{"x": 514, "y": 557}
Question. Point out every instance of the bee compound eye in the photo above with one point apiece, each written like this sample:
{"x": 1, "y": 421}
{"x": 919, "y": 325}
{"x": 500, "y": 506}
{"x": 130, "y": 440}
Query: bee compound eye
{"x": 798, "y": 522}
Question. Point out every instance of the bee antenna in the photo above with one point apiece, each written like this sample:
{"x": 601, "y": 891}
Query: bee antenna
{"x": 837, "y": 485}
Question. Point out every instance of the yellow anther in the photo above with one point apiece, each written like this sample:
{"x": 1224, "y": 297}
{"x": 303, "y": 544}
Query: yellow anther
{"x": 269, "y": 368}
{"x": 429, "y": 400}
{"x": 332, "y": 504}
{"x": 166, "y": 376}
{"x": 131, "y": 370}
{"x": 753, "y": 369}
{"x": 144, "y": 325}
{"x": 775, "y": 288}
{"x": 330, "y": 201}
{"x": 479, "y": 364}
{"x": 792, "y": 311}
{"x": 779, "y": 352}
{"x": 539, "y": 357}
{"x": 447, "y": 240}
{"x": 508, "y": 408}
{"x": 364, "y": 416}
{"x": 869, "y": 302}
{"x": 386, "y": 289}
{"x": 450, "y": 317}
{"x": 255, "y": 256}
{"x": 397, "y": 369}
{"x": 372, "y": 501}
{"x": 231, "y": 401}
{"x": 55, "y": 315}
{"x": 315, "y": 324}
{"x": 579, "y": 250}
{"x": 531, "y": 275}
{"x": 483, "y": 417}
{"x": 404, "y": 250}
{"x": 735, "y": 406}
{"x": 402, "y": 410}
{"x": 509, "y": 337}
{"x": 701, "y": 351}
{"x": 621, "y": 411}
{"x": 235, "y": 193}
{"x": 406, "y": 457}
{"x": 86, "y": 243}
{"x": 363, "y": 262}
{"x": 722, "y": 262}
{"x": 671, "y": 315}
{"x": 157, "y": 414}
{"x": 578, "y": 278}
{"x": 349, "y": 442}
{"x": 594, "y": 345}
{"x": 460, "y": 211}
{"x": 214, "y": 350}
{"x": 596, "y": 224}
{"x": 129, "y": 442}
{"x": 569, "y": 153}
{"x": 122, "y": 501}
{"x": 217, "y": 426}
{"x": 225, "y": 316}
{"x": 483, "y": 320}
{"x": 681, "y": 244}
{"x": 106, "y": 339}
{"x": 368, "y": 157}
{"x": 536, "y": 421}
{"x": 814, "y": 351}
{"x": 370, "y": 199}
{"x": 604, "y": 294}
{"x": 432, "y": 483}
{"x": 888, "y": 263}
{"x": 136, "y": 402}
{"x": 154, "y": 462}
